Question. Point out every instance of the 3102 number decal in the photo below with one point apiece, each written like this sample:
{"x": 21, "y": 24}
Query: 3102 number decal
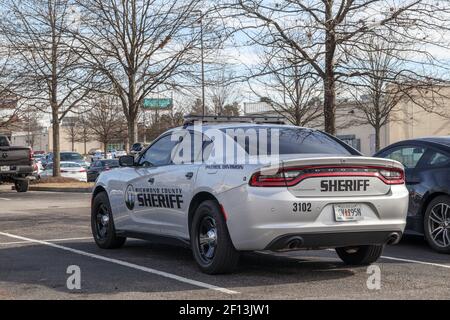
{"x": 302, "y": 207}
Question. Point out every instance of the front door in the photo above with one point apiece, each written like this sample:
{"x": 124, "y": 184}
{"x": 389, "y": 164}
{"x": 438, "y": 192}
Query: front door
{"x": 149, "y": 198}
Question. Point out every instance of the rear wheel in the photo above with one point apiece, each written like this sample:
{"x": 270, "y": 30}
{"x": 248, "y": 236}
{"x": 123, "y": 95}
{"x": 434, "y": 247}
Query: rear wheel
{"x": 361, "y": 255}
{"x": 437, "y": 224}
{"x": 210, "y": 241}
{"x": 102, "y": 224}
{"x": 21, "y": 185}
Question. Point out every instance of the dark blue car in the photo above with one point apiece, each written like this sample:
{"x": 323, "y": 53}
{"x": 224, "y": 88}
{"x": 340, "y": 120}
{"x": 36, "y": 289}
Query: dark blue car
{"x": 427, "y": 165}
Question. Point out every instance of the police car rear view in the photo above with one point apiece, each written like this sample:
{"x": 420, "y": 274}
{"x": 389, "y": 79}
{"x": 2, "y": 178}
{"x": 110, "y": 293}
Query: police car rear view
{"x": 228, "y": 185}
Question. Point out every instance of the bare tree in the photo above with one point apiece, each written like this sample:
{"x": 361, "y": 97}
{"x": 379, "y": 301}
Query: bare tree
{"x": 105, "y": 120}
{"x": 290, "y": 87}
{"x": 323, "y": 33}
{"x": 83, "y": 131}
{"x": 70, "y": 126}
{"x": 45, "y": 58}
{"x": 222, "y": 90}
{"x": 30, "y": 123}
{"x": 139, "y": 46}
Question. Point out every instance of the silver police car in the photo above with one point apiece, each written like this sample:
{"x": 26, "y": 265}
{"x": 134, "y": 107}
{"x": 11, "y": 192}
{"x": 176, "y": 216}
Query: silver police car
{"x": 229, "y": 185}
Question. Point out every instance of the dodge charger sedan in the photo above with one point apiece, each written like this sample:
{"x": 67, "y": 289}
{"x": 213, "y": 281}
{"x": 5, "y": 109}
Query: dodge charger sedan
{"x": 226, "y": 187}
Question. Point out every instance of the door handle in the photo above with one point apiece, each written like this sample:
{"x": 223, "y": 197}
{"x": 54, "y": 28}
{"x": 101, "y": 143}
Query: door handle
{"x": 151, "y": 180}
{"x": 189, "y": 175}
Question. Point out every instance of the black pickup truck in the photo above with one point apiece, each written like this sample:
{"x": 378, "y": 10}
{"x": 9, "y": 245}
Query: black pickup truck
{"x": 16, "y": 164}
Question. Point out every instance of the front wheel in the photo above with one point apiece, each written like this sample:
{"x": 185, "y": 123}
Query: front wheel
{"x": 210, "y": 241}
{"x": 102, "y": 224}
{"x": 360, "y": 255}
{"x": 437, "y": 224}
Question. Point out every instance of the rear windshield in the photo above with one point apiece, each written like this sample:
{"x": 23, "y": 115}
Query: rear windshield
{"x": 71, "y": 156}
{"x": 70, "y": 165}
{"x": 110, "y": 163}
{"x": 294, "y": 141}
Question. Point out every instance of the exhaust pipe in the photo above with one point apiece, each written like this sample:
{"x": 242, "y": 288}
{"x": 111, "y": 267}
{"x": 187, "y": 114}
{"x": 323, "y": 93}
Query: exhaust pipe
{"x": 394, "y": 238}
{"x": 294, "y": 243}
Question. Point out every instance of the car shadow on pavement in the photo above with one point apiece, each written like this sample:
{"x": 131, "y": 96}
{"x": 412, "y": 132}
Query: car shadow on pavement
{"x": 36, "y": 266}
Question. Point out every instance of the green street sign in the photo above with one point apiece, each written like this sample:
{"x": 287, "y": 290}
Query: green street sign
{"x": 157, "y": 104}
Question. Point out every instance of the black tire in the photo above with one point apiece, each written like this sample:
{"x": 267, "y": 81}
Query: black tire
{"x": 361, "y": 255}
{"x": 221, "y": 257}
{"x": 437, "y": 224}
{"x": 104, "y": 232}
{"x": 21, "y": 185}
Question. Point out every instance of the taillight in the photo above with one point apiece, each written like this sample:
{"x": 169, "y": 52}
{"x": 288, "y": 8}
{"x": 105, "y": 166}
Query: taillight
{"x": 393, "y": 176}
{"x": 288, "y": 177}
{"x": 261, "y": 179}
{"x": 83, "y": 170}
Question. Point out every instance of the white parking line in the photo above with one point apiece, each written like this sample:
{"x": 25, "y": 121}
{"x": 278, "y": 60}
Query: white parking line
{"x": 125, "y": 264}
{"x": 50, "y": 240}
{"x": 417, "y": 261}
{"x": 6, "y": 199}
{"x": 412, "y": 261}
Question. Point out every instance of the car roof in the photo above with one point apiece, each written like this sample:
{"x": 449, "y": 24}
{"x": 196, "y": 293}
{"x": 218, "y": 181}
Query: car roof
{"x": 445, "y": 140}
{"x": 438, "y": 141}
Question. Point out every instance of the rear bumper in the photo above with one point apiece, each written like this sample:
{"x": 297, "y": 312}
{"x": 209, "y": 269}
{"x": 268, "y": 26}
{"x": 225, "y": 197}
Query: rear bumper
{"x": 16, "y": 172}
{"x": 333, "y": 240}
{"x": 259, "y": 217}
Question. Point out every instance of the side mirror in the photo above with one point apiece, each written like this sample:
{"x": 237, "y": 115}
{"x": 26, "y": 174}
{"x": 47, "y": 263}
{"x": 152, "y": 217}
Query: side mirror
{"x": 126, "y": 161}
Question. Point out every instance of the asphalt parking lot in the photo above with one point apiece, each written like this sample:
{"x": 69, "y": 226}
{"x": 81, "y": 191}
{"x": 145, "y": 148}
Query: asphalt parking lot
{"x": 42, "y": 234}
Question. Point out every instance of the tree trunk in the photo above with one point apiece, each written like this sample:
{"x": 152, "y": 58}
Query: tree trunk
{"x": 330, "y": 105}
{"x": 105, "y": 149}
{"x": 56, "y": 146}
{"x": 377, "y": 138}
{"x": 329, "y": 76}
{"x": 132, "y": 131}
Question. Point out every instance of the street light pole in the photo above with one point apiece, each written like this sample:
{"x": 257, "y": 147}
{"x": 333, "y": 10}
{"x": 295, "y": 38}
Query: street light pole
{"x": 202, "y": 52}
{"x": 203, "y": 66}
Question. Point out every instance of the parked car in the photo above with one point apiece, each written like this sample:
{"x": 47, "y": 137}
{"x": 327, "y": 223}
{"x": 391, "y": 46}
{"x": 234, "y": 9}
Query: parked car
{"x": 100, "y": 156}
{"x": 320, "y": 193}
{"x": 68, "y": 170}
{"x": 68, "y": 157}
{"x": 116, "y": 154}
{"x": 427, "y": 167}
{"x": 16, "y": 164}
{"x": 93, "y": 151}
{"x": 100, "y": 166}
{"x": 136, "y": 148}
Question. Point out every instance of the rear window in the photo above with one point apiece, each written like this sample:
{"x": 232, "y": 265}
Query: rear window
{"x": 71, "y": 156}
{"x": 297, "y": 141}
{"x": 112, "y": 163}
{"x": 70, "y": 165}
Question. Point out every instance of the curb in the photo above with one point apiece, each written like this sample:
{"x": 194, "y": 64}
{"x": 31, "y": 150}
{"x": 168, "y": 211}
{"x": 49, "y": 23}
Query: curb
{"x": 70, "y": 190}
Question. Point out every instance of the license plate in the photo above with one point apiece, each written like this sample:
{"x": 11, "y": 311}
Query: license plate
{"x": 5, "y": 168}
{"x": 348, "y": 212}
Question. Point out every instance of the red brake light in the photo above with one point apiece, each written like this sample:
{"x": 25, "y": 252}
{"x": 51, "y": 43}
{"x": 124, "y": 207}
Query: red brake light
{"x": 288, "y": 177}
